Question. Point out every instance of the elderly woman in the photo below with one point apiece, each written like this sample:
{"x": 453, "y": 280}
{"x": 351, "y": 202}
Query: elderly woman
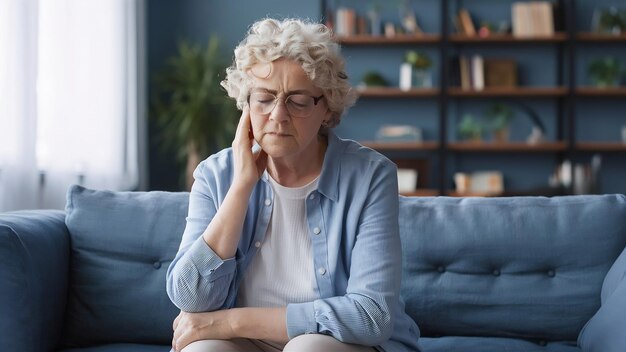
{"x": 291, "y": 245}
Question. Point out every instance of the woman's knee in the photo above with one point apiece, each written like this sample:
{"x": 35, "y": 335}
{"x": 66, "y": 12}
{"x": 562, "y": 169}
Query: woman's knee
{"x": 236, "y": 345}
{"x": 319, "y": 342}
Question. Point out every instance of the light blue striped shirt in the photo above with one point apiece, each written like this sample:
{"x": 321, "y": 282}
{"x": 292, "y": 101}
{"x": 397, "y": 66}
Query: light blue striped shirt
{"x": 353, "y": 227}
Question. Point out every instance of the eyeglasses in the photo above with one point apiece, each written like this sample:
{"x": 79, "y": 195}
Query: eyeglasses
{"x": 298, "y": 105}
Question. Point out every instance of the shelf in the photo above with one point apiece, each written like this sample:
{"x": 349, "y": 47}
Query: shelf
{"x": 600, "y": 38}
{"x": 509, "y": 92}
{"x": 423, "y": 192}
{"x": 472, "y": 194}
{"x": 399, "y": 39}
{"x": 542, "y": 191}
{"x": 601, "y": 92}
{"x": 601, "y": 146}
{"x": 400, "y": 146}
{"x": 393, "y": 92}
{"x": 516, "y": 147}
{"x": 559, "y": 37}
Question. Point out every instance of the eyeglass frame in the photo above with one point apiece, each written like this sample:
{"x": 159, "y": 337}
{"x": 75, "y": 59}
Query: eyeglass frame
{"x": 315, "y": 101}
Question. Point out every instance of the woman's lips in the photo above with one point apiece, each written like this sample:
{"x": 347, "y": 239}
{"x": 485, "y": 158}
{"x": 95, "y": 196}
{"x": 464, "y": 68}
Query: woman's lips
{"x": 278, "y": 134}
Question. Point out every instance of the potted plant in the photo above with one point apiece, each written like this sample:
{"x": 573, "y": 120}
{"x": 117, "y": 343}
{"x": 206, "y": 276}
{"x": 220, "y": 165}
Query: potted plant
{"x": 604, "y": 72}
{"x": 373, "y": 79}
{"x": 470, "y": 129}
{"x": 194, "y": 114}
{"x": 499, "y": 116}
{"x": 420, "y": 63}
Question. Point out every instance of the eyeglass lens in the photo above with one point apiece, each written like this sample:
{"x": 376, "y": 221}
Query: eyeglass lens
{"x": 298, "y": 105}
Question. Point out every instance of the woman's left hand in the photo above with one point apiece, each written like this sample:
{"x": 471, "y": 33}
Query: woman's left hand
{"x": 191, "y": 327}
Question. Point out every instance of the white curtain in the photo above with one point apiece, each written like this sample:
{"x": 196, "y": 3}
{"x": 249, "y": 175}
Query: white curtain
{"x": 69, "y": 70}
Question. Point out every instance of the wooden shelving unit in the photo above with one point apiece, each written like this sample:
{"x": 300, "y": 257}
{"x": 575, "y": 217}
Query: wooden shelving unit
{"x": 401, "y": 146}
{"x": 392, "y": 92}
{"x": 610, "y": 147}
{"x": 545, "y": 191}
{"x": 400, "y": 39}
{"x": 525, "y": 92}
{"x": 508, "y": 147}
{"x": 599, "y": 38}
{"x": 423, "y": 192}
{"x": 507, "y": 39}
{"x": 601, "y": 92}
{"x": 450, "y": 45}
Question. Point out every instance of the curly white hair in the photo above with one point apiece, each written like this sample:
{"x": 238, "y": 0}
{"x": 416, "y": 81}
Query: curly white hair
{"x": 307, "y": 43}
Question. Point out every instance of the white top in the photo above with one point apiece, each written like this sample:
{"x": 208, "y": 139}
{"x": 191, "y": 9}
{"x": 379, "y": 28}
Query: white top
{"x": 281, "y": 272}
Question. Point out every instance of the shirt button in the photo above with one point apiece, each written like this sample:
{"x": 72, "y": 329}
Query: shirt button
{"x": 312, "y": 196}
{"x": 496, "y": 272}
{"x": 551, "y": 273}
{"x": 322, "y": 271}
{"x": 257, "y": 244}
{"x": 441, "y": 269}
{"x": 268, "y": 202}
{"x": 317, "y": 230}
{"x": 157, "y": 265}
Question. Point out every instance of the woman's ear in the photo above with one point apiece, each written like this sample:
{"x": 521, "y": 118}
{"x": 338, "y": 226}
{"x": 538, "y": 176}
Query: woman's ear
{"x": 328, "y": 116}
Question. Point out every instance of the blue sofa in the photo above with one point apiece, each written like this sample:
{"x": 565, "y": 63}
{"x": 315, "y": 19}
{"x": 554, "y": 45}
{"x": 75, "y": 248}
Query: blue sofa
{"x": 479, "y": 274}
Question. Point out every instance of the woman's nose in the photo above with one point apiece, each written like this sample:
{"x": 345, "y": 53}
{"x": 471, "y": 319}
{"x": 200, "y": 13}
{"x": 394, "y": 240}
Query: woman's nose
{"x": 280, "y": 112}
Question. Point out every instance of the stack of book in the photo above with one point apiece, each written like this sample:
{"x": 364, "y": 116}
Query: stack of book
{"x": 346, "y": 22}
{"x": 532, "y": 19}
{"x": 476, "y": 72}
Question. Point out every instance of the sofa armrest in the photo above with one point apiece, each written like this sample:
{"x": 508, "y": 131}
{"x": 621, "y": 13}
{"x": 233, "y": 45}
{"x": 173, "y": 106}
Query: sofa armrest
{"x": 34, "y": 264}
{"x": 604, "y": 332}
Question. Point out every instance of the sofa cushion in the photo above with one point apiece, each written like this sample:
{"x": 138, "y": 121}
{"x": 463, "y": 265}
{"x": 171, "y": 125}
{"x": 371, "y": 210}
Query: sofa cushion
{"x": 121, "y": 246}
{"x": 528, "y": 267}
{"x": 34, "y": 251}
{"x": 121, "y": 347}
{"x": 605, "y": 331}
{"x": 492, "y": 344}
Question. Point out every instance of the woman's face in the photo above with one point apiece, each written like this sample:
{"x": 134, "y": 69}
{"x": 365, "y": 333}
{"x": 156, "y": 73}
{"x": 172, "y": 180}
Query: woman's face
{"x": 292, "y": 126}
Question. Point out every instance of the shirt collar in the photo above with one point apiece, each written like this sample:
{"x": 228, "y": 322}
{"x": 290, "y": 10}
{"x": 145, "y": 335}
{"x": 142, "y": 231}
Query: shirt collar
{"x": 331, "y": 168}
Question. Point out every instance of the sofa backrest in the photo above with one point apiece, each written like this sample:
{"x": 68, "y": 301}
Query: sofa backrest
{"x": 121, "y": 245}
{"x": 529, "y": 267}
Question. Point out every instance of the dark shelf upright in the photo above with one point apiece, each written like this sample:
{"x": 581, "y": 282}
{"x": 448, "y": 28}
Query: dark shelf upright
{"x": 571, "y": 119}
{"x": 443, "y": 99}
{"x": 560, "y": 68}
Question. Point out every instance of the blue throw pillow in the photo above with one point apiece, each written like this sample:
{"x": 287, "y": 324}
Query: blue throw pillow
{"x": 604, "y": 332}
{"x": 121, "y": 246}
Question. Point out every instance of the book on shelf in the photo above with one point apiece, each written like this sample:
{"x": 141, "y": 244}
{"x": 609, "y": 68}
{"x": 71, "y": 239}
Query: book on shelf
{"x": 465, "y": 72}
{"x": 345, "y": 22}
{"x": 543, "y": 21}
{"x": 478, "y": 72}
{"x": 466, "y": 24}
{"x": 361, "y": 25}
{"x": 535, "y": 18}
{"x": 500, "y": 73}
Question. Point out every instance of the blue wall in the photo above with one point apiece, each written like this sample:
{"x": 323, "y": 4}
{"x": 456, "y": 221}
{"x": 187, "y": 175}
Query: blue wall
{"x": 195, "y": 20}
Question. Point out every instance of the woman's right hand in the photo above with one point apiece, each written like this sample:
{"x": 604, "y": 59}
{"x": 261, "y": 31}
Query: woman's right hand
{"x": 249, "y": 166}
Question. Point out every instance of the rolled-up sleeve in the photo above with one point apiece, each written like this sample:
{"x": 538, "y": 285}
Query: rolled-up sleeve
{"x": 364, "y": 315}
{"x": 198, "y": 280}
